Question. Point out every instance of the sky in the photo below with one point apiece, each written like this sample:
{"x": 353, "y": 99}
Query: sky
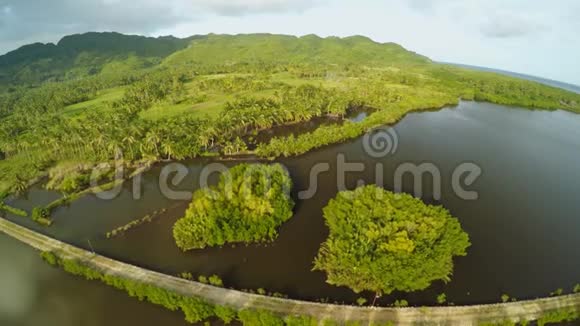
{"x": 534, "y": 37}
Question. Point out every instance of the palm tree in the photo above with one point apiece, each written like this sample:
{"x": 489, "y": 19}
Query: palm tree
{"x": 20, "y": 185}
{"x": 167, "y": 148}
{"x": 130, "y": 141}
{"x": 228, "y": 148}
{"x": 152, "y": 139}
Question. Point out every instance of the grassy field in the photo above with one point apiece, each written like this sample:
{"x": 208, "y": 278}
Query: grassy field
{"x": 212, "y": 104}
{"x": 108, "y": 95}
{"x": 209, "y": 108}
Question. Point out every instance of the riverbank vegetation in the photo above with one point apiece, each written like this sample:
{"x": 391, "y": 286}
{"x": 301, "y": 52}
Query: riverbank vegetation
{"x": 212, "y": 280}
{"x": 186, "y": 104}
{"x": 195, "y": 309}
{"x": 43, "y": 215}
{"x": 559, "y": 316}
{"x": 217, "y": 281}
{"x": 248, "y": 205}
{"x": 380, "y": 241}
{"x": 12, "y": 210}
{"x": 135, "y": 223}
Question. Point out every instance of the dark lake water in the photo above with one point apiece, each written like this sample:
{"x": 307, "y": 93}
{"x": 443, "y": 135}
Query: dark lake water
{"x": 523, "y": 226}
{"x": 264, "y": 136}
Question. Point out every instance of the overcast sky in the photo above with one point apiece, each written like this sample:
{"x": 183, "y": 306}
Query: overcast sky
{"x": 536, "y": 37}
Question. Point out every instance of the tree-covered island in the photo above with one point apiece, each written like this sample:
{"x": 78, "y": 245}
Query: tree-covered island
{"x": 381, "y": 241}
{"x": 248, "y": 205}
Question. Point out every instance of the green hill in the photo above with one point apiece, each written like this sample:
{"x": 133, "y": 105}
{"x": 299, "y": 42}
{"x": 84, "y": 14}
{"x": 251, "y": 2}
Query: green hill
{"x": 82, "y": 55}
{"x": 291, "y": 49}
{"x": 88, "y": 54}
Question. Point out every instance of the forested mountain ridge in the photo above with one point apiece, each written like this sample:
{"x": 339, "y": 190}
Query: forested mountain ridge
{"x": 83, "y": 55}
{"x": 311, "y": 49}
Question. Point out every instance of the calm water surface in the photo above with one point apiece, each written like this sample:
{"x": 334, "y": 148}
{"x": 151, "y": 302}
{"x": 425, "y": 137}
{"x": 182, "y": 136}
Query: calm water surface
{"x": 523, "y": 228}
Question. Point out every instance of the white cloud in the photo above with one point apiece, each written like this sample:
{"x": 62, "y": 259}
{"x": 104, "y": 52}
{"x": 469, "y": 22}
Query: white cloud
{"x": 529, "y": 36}
{"x": 510, "y": 25}
{"x": 238, "y": 7}
{"x": 29, "y": 18}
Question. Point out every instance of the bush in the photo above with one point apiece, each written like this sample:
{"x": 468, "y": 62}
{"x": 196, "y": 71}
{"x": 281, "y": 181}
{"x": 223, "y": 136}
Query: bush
{"x": 186, "y": 276}
{"x": 559, "y": 316}
{"x": 70, "y": 185}
{"x": 259, "y": 318}
{"x": 49, "y": 257}
{"x": 41, "y": 215}
{"x": 300, "y": 321}
{"x": 196, "y": 310}
{"x": 216, "y": 281}
{"x": 442, "y": 298}
{"x": 226, "y": 314}
{"x": 203, "y": 279}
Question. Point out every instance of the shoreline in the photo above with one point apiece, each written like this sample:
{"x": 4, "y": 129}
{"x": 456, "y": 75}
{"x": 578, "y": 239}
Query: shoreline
{"x": 250, "y": 156}
{"x": 519, "y": 311}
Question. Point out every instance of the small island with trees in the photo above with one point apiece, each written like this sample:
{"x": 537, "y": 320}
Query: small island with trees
{"x": 248, "y": 205}
{"x": 381, "y": 241}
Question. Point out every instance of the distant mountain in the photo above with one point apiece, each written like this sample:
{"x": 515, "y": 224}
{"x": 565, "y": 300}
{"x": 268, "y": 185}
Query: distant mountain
{"x": 92, "y": 53}
{"x": 545, "y": 81}
{"x": 83, "y": 54}
{"x": 292, "y": 49}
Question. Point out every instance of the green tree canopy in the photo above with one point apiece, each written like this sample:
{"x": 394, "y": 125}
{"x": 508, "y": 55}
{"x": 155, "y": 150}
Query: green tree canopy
{"x": 248, "y": 205}
{"x": 381, "y": 241}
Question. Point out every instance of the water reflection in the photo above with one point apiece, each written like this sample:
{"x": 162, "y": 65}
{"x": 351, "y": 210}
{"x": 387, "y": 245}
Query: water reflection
{"x": 34, "y": 293}
{"x": 523, "y": 226}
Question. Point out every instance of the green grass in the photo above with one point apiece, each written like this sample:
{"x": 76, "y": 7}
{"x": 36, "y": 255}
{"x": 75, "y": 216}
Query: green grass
{"x": 290, "y": 79}
{"x": 211, "y": 107}
{"x": 216, "y": 101}
{"x": 108, "y": 95}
